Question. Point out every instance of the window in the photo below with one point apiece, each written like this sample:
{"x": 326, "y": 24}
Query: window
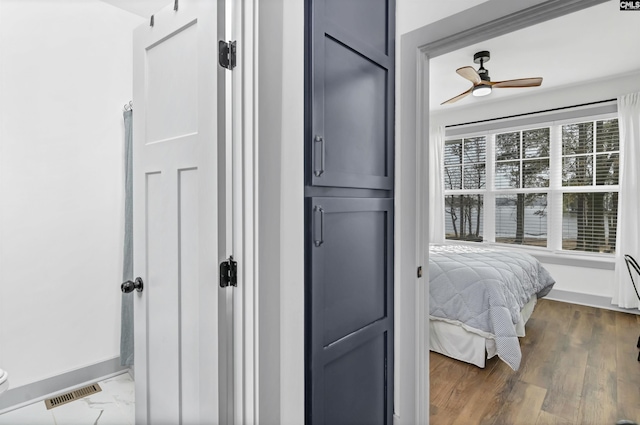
{"x": 590, "y": 156}
{"x": 464, "y": 217}
{"x": 553, "y": 186}
{"x": 464, "y": 163}
{"x": 522, "y": 162}
{"x": 522, "y": 219}
{"x": 465, "y": 172}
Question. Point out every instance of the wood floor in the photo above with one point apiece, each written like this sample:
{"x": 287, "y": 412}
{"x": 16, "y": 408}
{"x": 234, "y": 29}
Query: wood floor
{"x": 579, "y": 366}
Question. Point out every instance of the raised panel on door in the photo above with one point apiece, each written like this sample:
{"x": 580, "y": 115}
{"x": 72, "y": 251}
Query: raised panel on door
{"x": 351, "y": 77}
{"x": 350, "y": 310}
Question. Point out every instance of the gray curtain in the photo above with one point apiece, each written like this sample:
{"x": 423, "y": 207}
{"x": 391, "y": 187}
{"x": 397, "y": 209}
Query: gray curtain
{"x": 126, "y": 325}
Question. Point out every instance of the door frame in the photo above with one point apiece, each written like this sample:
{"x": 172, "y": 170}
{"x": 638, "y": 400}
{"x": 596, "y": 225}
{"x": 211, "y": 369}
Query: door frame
{"x": 485, "y": 21}
{"x": 242, "y": 28}
{"x": 273, "y": 217}
{"x": 267, "y": 124}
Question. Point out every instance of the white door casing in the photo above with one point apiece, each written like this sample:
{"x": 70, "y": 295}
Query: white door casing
{"x": 179, "y": 215}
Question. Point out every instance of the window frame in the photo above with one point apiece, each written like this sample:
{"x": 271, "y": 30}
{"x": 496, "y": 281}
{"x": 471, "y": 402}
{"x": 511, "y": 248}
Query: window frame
{"x": 555, "y": 190}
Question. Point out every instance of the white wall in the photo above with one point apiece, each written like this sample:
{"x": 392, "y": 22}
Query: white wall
{"x": 65, "y": 75}
{"x": 582, "y": 280}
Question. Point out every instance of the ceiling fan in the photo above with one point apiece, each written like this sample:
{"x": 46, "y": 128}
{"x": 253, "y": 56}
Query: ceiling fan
{"x": 482, "y": 84}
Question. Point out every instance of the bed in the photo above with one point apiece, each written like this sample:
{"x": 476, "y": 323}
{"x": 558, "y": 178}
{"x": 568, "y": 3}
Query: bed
{"x": 480, "y": 299}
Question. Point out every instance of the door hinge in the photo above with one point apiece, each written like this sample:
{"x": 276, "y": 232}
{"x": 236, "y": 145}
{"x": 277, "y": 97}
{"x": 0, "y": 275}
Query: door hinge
{"x": 227, "y": 54}
{"x": 229, "y": 272}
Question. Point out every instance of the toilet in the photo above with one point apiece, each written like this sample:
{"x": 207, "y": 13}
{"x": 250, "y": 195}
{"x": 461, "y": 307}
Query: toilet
{"x": 4, "y": 381}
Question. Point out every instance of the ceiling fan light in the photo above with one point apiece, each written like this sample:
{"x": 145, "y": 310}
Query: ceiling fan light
{"x": 482, "y": 90}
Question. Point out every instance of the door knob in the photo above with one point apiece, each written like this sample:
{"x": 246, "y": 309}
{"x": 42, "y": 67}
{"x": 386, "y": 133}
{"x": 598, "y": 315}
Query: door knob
{"x": 129, "y": 286}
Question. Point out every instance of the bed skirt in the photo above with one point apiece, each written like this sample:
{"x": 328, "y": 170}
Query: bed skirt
{"x": 470, "y": 345}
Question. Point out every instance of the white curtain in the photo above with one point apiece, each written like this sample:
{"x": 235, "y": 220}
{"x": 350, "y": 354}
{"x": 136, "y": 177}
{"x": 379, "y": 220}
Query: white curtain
{"x": 126, "y": 307}
{"x": 628, "y": 233}
{"x": 436, "y": 185}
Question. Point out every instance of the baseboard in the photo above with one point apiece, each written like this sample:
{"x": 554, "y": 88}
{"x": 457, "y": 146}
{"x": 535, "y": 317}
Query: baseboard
{"x": 599, "y": 301}
{"x": 20, "y": 396}
{"x": 132, "y": 372}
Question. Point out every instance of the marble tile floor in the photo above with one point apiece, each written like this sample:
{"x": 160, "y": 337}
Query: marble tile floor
{"x": 114, "y": 405}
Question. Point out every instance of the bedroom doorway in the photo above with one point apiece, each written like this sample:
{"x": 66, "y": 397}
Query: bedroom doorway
{"x": 488, "y": 20}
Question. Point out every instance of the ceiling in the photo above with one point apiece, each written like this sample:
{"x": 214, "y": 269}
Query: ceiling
{"x": 589, "y": 45}
{"x": 144, "y": 8}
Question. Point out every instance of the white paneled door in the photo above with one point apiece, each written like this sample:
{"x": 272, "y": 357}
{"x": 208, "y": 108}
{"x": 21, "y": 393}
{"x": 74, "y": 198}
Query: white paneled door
{"x": 179, "y": 216}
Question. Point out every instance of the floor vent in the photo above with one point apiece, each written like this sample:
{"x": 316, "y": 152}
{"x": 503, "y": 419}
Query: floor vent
{"x": 72, "y": 396}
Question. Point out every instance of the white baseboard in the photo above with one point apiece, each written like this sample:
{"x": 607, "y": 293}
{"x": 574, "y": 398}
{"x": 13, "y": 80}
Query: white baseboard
{"x": 18, "y": 397}
{"x": 599, "y": 301}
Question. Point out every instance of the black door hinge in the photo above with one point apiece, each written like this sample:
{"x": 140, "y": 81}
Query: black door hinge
{"x": 229, "y": 273}
{"x": 227, "y": 54}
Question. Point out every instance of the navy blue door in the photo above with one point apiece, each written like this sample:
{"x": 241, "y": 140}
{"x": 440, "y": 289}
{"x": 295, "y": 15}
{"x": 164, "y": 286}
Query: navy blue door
{"x": 352, "y": 93}
{"x": 350, "y": 48}
{"x": 351, "y": 306}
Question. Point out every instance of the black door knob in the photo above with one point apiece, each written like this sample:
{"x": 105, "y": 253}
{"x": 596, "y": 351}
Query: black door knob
{"x": 129, "y": 286}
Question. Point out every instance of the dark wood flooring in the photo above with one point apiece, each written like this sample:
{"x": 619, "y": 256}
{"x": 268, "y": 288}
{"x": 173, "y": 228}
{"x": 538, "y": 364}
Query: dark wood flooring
{"x": 579, "y": 366}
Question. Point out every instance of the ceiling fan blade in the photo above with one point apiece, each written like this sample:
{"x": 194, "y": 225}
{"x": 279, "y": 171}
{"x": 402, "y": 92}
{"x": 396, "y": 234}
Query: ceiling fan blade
{"x": 458, "y": 97}
{"x": 470, "y": 74}
{"x": 522, "y": 82}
